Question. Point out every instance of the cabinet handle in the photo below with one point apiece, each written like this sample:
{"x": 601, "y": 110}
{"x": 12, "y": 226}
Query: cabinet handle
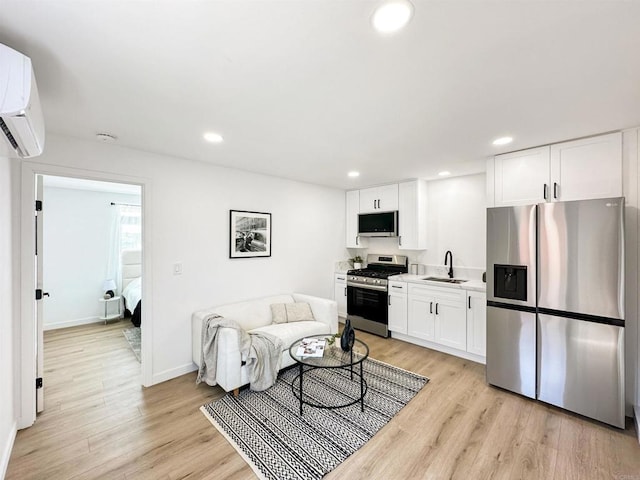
{"x": 469, "y": 303}
{"x": 378, "y": 203}
{"x": 400, "y": 240}
{"x": 374, "y": 204}
{"x": 345, "y": 291}
{"x": 357, "y": 240}
{"x": 555, "y": 190}
{"x": 436, "y": 309}
{"x": 395, "y": 286}
{"x": 544, "y": 191}
{"x": 430, "y": 307}
{"x": 389, "y": 300}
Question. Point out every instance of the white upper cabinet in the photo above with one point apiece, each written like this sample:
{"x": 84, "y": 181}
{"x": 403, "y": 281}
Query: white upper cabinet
{"x": 576, "y": 170}
{"x": 412, "y": 215}
{"x": 587, "y": 168}
{"x": 521, "y": 178}
{"x": 379, "y": 199}
{"x": 352, "y": 209}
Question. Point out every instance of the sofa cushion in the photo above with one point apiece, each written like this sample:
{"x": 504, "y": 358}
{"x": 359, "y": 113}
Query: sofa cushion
{"x": 252, "y": 313}
{"x": 291, "y": 312}
{"x": 290, "y": 332}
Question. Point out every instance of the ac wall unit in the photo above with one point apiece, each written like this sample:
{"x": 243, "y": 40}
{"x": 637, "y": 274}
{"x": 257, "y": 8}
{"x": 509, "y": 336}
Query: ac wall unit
{"x": 21, "y": 119}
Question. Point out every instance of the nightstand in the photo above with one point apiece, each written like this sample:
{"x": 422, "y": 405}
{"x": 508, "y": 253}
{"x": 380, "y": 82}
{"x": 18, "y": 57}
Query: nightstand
{"x": 109, "y": 313}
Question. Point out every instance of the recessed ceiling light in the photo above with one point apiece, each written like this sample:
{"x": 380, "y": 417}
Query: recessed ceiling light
{"x": 354, "y": 174}
{"x": 392, "y": 15}
{"x": 213, "y": 137}
{"x": 502, "y": 140}
{"x": 444, "y": 173}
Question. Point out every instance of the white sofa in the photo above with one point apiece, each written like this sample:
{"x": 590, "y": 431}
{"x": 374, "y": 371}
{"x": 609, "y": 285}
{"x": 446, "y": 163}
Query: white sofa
{"x": 255, "y": 316}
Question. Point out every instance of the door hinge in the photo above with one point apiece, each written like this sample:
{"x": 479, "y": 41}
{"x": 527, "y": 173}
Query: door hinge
{"x": 38, "y": 382}
{"x": 38, "y": 205}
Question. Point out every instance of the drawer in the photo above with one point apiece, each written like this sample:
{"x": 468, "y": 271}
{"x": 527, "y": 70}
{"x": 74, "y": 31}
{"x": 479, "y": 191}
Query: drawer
{"x": 399, "y": 288}
{"x": 341, "y": 278}
{"x": 453, "y": 294}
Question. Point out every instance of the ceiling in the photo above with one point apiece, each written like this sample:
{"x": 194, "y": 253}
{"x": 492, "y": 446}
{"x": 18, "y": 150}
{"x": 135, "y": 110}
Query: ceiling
{"x": 307, "y": 90}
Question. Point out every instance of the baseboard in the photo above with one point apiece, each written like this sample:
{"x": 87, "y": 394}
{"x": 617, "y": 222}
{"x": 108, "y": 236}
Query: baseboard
{"x": 72, "y": 323}
{"x": 440, "y": 348}
{"x": 6, "y": 452}
{"x": 173, "y": 373}
{"x": 636, "y": 409}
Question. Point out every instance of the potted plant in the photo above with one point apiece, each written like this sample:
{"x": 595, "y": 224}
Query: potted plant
{"x": 357, "y": 262}
{"x": 334, "y": 340}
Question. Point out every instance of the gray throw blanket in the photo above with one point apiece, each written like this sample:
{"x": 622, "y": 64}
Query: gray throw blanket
{"x": 262, "y": 350}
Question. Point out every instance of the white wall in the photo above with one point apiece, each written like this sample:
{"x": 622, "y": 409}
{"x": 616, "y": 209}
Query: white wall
{"x": 77, "y": 231}
{"x": 7, "y": 385}
{"x": 456, "y": 221}
{"x": 187, "y": 207}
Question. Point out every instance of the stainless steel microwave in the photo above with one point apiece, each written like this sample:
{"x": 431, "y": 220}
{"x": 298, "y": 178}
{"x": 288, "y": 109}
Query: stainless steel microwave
{"x": 383, "y": 224}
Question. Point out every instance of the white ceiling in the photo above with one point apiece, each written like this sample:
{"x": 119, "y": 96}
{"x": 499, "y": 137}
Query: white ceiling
{"x": 307, "y": 90}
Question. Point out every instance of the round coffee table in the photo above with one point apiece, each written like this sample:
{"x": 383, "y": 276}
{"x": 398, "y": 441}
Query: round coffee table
{"x": 333, "y": 358}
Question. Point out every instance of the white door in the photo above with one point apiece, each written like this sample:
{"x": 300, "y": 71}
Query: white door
{"x": 398, "y": 309}
{"x": 522, "y": 178}
{"x": 451, "y": 323}
{"x": 587, "y": 168}
{"x": 476, "y": 322}
{"x": 421, "y": 317}
{"x": 340, "y": 294}
{"x": 352, "y": 207}
{"x": 40, "y": 294}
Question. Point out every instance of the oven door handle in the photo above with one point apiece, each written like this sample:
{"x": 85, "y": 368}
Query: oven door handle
{"x": 379, "y": 288}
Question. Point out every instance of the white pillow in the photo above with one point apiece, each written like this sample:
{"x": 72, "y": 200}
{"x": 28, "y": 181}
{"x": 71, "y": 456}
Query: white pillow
{"x": 291, "y": 312}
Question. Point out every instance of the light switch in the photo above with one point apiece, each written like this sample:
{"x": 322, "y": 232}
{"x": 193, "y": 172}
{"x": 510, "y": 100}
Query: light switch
{"x": 177, "y": 268}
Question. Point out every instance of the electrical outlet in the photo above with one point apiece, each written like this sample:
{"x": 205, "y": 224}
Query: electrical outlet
{"x": 177, "y": 268}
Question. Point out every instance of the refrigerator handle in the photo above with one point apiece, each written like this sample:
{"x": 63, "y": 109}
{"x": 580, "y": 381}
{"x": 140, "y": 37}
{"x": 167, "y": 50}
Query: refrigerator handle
{"x": 555, "y": 190}
{"x": 544, "y": 191}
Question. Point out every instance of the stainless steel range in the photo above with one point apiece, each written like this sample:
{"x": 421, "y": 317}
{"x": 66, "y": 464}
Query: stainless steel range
{"x": 367, "y": 297}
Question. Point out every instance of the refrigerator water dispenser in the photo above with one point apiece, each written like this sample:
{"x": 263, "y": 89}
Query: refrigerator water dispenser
{"x": 510, "y": 281}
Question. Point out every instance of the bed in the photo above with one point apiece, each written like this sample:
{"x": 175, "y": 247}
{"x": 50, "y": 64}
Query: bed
{"x": 131, "y": 271}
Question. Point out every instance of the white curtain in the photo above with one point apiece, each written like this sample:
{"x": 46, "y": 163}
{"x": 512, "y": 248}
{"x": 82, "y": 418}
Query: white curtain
{"x": 126, "y": 234}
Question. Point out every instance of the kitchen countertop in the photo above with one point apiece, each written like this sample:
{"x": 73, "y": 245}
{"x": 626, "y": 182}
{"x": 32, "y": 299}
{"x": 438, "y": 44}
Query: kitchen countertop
{"x": 475, "y": 285}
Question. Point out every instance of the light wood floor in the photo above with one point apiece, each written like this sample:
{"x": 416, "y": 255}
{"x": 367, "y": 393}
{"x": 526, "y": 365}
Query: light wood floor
{"x": 100, "y": 423}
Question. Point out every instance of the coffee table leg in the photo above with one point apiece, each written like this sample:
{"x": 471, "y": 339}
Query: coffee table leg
{"x": 301, "y": 371}
{"x": 361, "y": 389}
{"x": 351, "y": 351}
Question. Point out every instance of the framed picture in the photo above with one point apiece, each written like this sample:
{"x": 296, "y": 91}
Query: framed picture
{"x": 250, "y": 234}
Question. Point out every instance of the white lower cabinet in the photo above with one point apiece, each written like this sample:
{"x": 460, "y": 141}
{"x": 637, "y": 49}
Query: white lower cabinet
{"x": 477, "y": 323}
{"x": 340, "y": 293}
{"x": 420, "y": 317}
{"x": 398, "y": 307}
{"x": 452, "y": 320}
{"x": 438, "y": 314}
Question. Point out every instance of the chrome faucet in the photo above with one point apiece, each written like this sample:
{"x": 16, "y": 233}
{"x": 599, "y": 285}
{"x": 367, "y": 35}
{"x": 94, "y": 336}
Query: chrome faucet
{"x": 450, "y": 255}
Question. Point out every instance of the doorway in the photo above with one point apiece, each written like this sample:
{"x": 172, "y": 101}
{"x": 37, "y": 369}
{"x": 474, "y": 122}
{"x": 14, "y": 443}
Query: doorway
{"x": 91, "y": 235}
{"x": 28, "y": 328}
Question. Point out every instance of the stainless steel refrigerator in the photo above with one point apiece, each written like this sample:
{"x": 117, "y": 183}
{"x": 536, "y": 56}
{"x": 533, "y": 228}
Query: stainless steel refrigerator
{"x": 555, "y": 304}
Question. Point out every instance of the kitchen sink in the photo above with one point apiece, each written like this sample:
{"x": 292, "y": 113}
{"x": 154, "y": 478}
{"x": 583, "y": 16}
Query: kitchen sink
{"x": 444, "y": 280}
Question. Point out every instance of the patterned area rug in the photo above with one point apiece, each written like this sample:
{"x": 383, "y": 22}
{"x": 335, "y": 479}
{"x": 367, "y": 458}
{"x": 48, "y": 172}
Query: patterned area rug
{"x": 267, "y": 430}
{"x": 133, "y": 337}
